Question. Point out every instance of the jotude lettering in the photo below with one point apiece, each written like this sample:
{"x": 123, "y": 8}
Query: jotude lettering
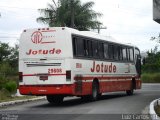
{"x": 103, "y": 68}
{"x": 43, "y": 52}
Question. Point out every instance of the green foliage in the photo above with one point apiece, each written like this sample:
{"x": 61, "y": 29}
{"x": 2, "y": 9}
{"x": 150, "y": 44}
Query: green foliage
{"x": 8, "y": 70}
{"x": 70, "y": 13}
{"x": 3, "y": 80}
{"x": 150, "y": 77}
{"x": 9, "y": 54}
{"x": 4, "y": 94}
{"x": 152, "y": 62}
{"x": 151, "y": 68}
{"x": 11, "y": 86}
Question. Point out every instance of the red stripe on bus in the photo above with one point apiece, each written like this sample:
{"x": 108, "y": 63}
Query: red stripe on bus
{"x": 46, "y": 74}
{"x": 108, "y": 77}
{"x": 45, "y": 89}
{"x": 71, "y": 89}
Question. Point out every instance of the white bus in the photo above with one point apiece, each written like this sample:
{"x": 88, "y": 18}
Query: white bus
{"x": 58, "y": 62}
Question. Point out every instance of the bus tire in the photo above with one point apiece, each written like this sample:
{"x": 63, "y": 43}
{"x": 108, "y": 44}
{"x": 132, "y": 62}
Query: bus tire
{"x": 131, "y": 91}
{"x": 57, "y": 99}
{"x": 85, "y": 98}
{"x": 95, "y": 91}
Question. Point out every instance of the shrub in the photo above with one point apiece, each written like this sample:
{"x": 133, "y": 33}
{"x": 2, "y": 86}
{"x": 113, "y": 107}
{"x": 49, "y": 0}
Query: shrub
{"x": 3, "y": 80}
{"x": 151, "y": 68}
{"x": 4, "y": 94}
{"x": 11, "y": 86}
{"x": 151, "y": 77}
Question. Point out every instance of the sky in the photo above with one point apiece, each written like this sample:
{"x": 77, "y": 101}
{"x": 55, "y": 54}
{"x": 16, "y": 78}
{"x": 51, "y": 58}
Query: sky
{"x": 129, "y": 21}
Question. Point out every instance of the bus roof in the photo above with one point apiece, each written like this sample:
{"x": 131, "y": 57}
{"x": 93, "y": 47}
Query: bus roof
{"x": 89, "y": 34}
{"x": 95, "y": 35}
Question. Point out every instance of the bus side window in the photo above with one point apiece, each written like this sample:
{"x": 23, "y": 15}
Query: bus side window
{"x": 116, "y": 57}
{"x": 95, "y": 49}
{"x": 110, "y": 51}
{"x": 78, "y": 47}
{"x": 137, "y": 53}
{"x": 120, "y": 53}
{"x": 90, "y": 52}
{"x": 88, "y": 48}
{"x": 128, "y": 54}
{"x": 74, "y": 46}
{"x": 105, "y": 45}
{"x": 100, "y": 50}
{"x": 124, "y": 54}
{"x": 131, "y": 54}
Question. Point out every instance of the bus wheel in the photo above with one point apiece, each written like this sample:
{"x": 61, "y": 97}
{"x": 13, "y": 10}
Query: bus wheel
{"x": 55, "y": 99}
{"x": 85, "y": 98}
{"x": 95, "y": 92}
{"x": 131, "y": 91}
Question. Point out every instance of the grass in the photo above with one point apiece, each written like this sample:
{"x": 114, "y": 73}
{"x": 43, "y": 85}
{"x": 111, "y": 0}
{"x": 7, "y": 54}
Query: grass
{"x": 17, "y": 98}
{"x": 5, "y": 96}
{"x": 150, "y": 77}
{"x": 157, "y": 109}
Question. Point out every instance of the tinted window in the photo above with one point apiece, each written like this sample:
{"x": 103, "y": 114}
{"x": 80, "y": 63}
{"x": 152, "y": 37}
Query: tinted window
{"x": 106, "y": 51}
{"x": 95, "y": 49}
{"x": 124, "y": 51}
{"x": 90, "y": 48}
{"x": 110, "y": 51}
{"x": 131, "y": 54}
{"x": 116, "y": 50}
{"x": 120, "y": 53}
{"x": 100, "y": 50}
{"x": 78, "y": 46}
{"x": 89, "y": 52}
{"x": 137, "y": 52}
{"x": 128, "y": 54}
{"x": 74, "y": 46}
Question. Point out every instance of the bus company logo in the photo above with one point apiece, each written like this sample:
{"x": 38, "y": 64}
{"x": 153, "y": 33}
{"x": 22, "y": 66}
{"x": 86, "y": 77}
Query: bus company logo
{"x": 36, "y": 37}
{"x": 103, "y": 68}
{"x": 40, "y": 38}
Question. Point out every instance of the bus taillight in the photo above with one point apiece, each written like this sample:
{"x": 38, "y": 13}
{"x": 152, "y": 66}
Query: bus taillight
{"x": 20, "y": 76}
{"x": 68, "y": 75}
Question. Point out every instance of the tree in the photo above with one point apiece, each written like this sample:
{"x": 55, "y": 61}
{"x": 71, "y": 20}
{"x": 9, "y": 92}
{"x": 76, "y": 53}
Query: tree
{"x": 5, "y": 51}
{"x": 157, "y": 39}
{"x": 9, "y": 54}
{"x": 13, "y": 58}
{"x": 70, "y": 13}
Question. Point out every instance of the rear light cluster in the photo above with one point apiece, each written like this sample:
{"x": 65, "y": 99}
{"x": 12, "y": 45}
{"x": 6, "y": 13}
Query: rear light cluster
{"x": 68, "y": 75}
{"x": 20, "y": 76}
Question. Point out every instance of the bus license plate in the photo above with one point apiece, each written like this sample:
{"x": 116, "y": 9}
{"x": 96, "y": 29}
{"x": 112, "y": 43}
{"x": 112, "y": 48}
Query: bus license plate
{"x": 43, "y": 77}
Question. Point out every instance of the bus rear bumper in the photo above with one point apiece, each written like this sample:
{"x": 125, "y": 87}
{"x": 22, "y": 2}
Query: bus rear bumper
{"x": 46, "y": 89}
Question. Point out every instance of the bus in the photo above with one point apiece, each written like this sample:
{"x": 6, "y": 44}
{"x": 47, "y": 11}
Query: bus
{"x": 59, "y": 61}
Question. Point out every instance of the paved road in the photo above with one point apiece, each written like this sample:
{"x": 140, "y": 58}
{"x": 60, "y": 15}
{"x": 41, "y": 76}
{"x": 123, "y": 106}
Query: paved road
{"x": 111, "y": 106}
